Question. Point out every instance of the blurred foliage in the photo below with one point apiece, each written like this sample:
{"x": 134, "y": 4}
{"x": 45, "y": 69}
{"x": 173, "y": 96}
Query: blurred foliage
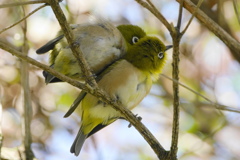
{"x": 206, "y": 66}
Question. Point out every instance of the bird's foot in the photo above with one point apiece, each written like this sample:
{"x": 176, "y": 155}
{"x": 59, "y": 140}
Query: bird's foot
{"x": 138, "y": 117}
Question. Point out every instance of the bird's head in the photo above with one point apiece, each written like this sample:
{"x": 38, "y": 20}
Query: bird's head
{"x": 145, "y": 52}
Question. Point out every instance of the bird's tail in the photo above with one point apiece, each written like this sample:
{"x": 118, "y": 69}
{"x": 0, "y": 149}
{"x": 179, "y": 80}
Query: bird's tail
{"x": 78, "y": 143}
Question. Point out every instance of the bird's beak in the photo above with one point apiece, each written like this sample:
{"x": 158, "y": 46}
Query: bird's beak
{"x": 168, "y": 47}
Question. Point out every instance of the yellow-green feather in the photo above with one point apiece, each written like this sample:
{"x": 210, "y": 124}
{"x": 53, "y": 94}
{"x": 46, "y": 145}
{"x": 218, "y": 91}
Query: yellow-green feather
{"x": 129, "y": 80}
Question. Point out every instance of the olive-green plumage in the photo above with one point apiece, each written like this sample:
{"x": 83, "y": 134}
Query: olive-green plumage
{"x": 126, "y": 62}
{"x": 128, "y": 80}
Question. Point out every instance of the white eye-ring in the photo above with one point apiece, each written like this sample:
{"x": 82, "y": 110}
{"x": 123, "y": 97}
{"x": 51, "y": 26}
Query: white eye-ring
{"x": 135, "y": 39}
{"x": 160, "y": 55}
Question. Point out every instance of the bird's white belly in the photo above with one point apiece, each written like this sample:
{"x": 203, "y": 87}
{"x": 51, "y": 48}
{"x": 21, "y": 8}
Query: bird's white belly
{"x": 130, "y": 91}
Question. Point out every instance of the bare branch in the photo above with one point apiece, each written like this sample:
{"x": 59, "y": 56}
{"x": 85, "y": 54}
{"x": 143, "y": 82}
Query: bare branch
{"x": 232, "y": 43}
{"x": 25, "y": 17}
{"x": 216, "y": 105}
{"x": 193, "y": 15}
{"x": 72, "y": 43}
{"x": 26, "y": 96}
{"x": 6, "y": 46}
{"x": 175, "y": 74}
{"x": 155, "y": 11}
{"x": 180, "y": 15}
{"x": 21, "y": 3}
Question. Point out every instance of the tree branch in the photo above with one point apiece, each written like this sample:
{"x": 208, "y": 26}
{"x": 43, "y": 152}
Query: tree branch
{"x": 232, "y": 43}
{"x": 24, "y": 18}
{"x": 216, "y": 105}
{"x": 180, "y": 15}
{"x": 74, "y": 45}
{"x": 6, "y": 46}
{"x": 155, "y": 12}
{"x": 21, "y": 3}
{"x": 193, "y": 15}
{"x": 26, "y": 96}
{"x": 175, "y": 74}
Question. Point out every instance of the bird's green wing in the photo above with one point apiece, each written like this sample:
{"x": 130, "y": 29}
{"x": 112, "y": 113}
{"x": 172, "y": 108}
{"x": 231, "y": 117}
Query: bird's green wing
{"x": 83, "y": 94}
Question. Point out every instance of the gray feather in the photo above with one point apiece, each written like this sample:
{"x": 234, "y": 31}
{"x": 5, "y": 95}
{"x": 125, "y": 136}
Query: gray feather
{"x": 78, "y": 143}
{"x": 50, "y": 78}
{"x": 49, "y": 45}
{"x": 75, "y": 104}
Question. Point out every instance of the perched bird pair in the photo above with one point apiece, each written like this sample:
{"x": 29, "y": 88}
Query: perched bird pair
{"x": 125, "y": 60}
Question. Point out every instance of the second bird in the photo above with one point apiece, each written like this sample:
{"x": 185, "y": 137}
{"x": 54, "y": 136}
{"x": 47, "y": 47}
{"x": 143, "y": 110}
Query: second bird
{"x": 129, "y": 80}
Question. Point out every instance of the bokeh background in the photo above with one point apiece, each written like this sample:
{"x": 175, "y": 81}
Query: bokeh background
{"x": 206, "y": 66}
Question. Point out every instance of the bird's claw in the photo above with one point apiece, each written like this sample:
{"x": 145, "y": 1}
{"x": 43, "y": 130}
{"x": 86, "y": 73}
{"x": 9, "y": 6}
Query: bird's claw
{"x": 138, "y": 117}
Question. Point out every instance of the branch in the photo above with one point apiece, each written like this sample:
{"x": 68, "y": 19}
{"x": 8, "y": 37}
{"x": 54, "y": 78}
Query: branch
{"x": 193, "y": 15}
{"x": 6, "y": 46}
{"x": 149, "y": 6}
{"x": 180, "y": 15}
{"x": 176, "y": 37}
{"x": 216, "y": 105}
{"x": 26, "y": 96}
{"x": 21, "y": 3}
{"x": 232, "y": 43}
{"x": 159, "y": 150}
{"x": 175, "y": 74}
{"x": 74, "y": 45}
{"x": 24, "y": 18}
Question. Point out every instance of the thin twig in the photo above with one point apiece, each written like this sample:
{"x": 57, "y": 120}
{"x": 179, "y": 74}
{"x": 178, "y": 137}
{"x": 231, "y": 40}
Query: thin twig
{"x": 27, "y": 96}
{"x": 6, "y": 46}
{"x": 232, "y": 43}
{"x": 25, "y": 17}
{"x": 175, "y": 74}
{"x": 235, "y": 5}
{"x": 73, "y": 44}
{"x": 216, "y": 105}
{"x": 21, "y": 3}
{"x": 180, "y": 15}
{"x": 155, "y": 11}
{"x": 193, "y": 15}
{"x": 176, "y": 36}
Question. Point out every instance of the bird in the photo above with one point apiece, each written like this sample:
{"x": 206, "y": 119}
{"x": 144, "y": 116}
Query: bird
{"x": 100, "y": 42}
{"x": 128, "y": 80}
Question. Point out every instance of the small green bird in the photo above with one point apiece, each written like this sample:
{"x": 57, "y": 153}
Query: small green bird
{"x": 100, "y": 42}
{"x": 129, "y": 80}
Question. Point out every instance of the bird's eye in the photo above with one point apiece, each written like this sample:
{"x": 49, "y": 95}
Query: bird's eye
{"x": 135, "y": 39}
{"x": 160, "y": 55}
